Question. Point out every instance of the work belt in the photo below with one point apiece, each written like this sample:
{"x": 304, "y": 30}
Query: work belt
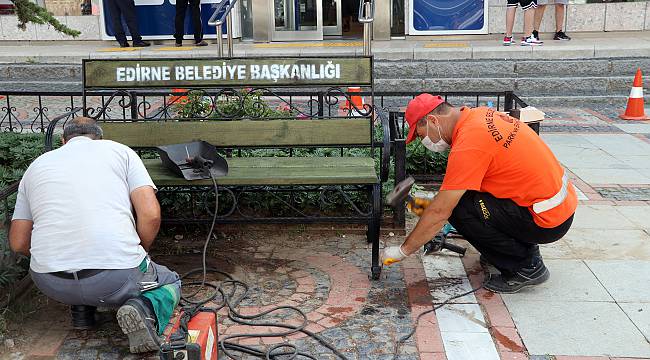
{"x": 554, "y": 201}
{"x": 81, "y": 274}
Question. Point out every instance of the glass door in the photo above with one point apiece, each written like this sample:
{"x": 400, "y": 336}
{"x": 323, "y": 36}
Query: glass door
{"x": 295, "y": 20}
{"x": 332, "y": 17}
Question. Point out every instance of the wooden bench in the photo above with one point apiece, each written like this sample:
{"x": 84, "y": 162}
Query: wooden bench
{"x": 266, "y": 157}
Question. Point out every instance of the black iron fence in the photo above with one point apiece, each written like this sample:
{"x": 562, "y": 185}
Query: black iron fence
{"x": 28, "y": 111}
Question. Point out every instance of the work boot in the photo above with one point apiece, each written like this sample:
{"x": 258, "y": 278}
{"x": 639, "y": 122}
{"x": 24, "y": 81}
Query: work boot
{"x": 510, "y": 283}
{"x": 138, "y": 321}
{"x": 83, "y": 317}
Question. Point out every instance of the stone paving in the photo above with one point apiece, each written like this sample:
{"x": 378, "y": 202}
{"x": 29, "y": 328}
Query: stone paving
{"x": 596, "y": 305}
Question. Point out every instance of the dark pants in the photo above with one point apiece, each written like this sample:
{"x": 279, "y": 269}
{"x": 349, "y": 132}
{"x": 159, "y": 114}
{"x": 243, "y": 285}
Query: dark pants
{"x": 125, "y": 8}
{"x": 195, "y": 9}
{"x": 109, "y": 288}
{"x": 502, "y": 231}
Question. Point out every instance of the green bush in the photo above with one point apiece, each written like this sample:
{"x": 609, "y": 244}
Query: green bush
{"x": 421, "y": 161}
{"x": 249, "y": 104}
{"x": 193, "y": 105}
{"x": 243, "y": 104}
{"x": 17, "y": 151}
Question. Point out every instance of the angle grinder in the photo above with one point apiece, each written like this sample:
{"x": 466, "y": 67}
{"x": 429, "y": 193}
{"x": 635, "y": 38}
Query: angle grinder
{"x": 401, "y": 196}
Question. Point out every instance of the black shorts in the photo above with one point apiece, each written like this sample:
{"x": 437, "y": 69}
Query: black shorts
{"x": 525, "y": 4}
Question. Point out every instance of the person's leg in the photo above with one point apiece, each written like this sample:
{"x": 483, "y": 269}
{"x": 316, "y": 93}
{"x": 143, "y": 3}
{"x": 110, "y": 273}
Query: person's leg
{"x": 195, "y": 8}
{"x": 116, "y": 21}
{"x": 166, "y": 297}
{"x": 507, "y": 236}
{"x": 179, "y": 21}
{"x": 529, "y": 19}
{"x": 539, "y": 16}
{"x": 143, "y": 313}
{"x": 131, "y": 19}
{"x": 144, "y": 318}
{"x": 560, "y": 9}
{"x": 510, "y": 18}
{"x": 71, "y": 291}
{"x": 489, "y": 225}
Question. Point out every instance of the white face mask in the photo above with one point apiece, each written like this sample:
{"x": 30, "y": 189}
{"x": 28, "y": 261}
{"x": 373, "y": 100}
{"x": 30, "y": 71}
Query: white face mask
{"x": 438, "y": 147}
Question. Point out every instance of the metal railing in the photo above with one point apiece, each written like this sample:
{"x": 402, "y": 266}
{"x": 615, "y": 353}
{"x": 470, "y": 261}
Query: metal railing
{"x": 226, "y": 16}
{"x": 367, "y": 17}
{"x": 33, "y": 111}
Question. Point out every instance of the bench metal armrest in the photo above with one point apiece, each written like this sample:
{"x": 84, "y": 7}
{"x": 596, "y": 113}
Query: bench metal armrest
{"x": 386, "y": 149}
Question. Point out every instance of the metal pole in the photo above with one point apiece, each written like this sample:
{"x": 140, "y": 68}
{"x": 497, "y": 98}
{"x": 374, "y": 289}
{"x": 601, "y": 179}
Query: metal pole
{"x": 134, "y": 105}
{"x": 229, "y": 29}
{"x": 367, "y": 31}
{"x": 219, "y": 41}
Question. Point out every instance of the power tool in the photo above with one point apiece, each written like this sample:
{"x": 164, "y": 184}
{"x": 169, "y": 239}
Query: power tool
{"x": 192, "y": 338}
{"x": 401, "y": 196}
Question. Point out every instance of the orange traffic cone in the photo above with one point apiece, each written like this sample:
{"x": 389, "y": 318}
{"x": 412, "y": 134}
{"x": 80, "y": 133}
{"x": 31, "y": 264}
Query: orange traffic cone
{"x": 635, "y": 108}
{"x": 178, "y": 97}
{"x": 357, "y": 101}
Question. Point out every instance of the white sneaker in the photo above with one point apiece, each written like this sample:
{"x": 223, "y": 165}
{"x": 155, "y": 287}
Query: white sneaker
{"x": 531, "y": 41}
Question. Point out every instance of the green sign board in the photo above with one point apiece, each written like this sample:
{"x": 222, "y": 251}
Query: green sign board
{"x": 278, "y": 71}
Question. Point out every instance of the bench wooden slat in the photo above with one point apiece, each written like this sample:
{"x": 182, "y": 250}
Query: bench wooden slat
{"x": 241, "y": 132}
{"x": 279, "y": 171}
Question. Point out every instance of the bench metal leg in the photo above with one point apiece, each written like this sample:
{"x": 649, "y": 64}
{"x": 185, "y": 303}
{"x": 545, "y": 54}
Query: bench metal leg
{"x": 373, "y": 231}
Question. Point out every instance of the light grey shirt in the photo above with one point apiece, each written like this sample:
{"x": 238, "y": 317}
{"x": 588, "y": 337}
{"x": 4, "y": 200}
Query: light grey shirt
{"x": 78, "y": 197}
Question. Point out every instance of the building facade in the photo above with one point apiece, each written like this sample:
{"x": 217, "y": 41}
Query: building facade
{"x": 301, "y": 20}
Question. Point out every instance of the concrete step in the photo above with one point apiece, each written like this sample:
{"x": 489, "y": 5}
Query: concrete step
{"x": 589, "y": 77}
{"x": 40, "y": 72}
{"x": 525, "y": 86}
{"x": 40, "y": 86}
{"x": 509, "y": 68}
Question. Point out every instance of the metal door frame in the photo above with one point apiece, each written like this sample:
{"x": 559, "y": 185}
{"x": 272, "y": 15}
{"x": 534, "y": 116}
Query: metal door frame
{"x": 297, "y": 35}
{"x": 338, "y": 29}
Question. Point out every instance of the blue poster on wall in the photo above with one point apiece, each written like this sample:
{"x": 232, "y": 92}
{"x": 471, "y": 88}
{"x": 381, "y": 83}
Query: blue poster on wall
{"x": 156, "y": 19}
{"x": 431, "y": 17}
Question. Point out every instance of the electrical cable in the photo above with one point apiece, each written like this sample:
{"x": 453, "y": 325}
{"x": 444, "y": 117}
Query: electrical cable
{"x": 272, "y": 353}
{"x": 417, "y": 320}
{"x": 228, "y": 299}
{"x": 207, "y": 240}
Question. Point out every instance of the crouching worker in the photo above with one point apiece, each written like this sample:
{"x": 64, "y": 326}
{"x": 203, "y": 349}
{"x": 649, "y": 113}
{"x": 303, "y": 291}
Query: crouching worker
{"x": 74, "y": 217}
{"x": 503, "y": 189}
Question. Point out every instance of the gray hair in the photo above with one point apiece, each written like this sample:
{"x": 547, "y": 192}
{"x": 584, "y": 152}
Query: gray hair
{"x": 82, "y": 126}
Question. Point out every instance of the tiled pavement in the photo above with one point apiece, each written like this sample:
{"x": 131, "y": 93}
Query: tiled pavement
{"x": 596, "y": 305}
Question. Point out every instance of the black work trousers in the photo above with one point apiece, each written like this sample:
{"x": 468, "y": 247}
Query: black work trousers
{"x": 502, "y": 231}
{"x": 126, "y": 9}
{"x": 195, "y": 10}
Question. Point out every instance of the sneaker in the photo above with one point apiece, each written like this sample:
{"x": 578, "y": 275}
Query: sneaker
{"x": 138, "y": 322}
{"x": 141, "y": 44}
{"x": 179, "y": 44}
{"x": 124, "y": 45}
{"x": 536, "y": 34}
{"x": 201, "y": 43}
{"x": 510, "y": 283}
{"x": 560, "y": 35}
{"x": 530, "y": 41}
{"x": 507, "y": 40}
